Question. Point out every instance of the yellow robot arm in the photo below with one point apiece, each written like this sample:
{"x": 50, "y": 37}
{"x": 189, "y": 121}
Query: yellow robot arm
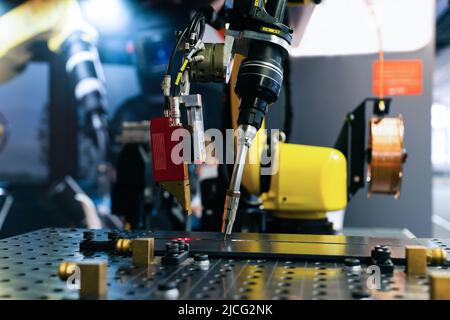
{"x": 308, "y": 181}
{"x": 37, "y": 20}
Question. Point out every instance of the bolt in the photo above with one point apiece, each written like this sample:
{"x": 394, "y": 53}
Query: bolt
{"x": 381, "y": 253}
{"x": 201, "y": 257}
{"x": 202, "y": 260}
{"x": 168, "y": 290}
{"x": 350, "y": 262}
{"x": 360, "y": 294}
{"x": 166, "y": 286}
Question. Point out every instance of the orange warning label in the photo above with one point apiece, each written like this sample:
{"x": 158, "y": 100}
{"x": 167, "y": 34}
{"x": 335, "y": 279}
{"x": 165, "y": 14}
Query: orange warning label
{"x": 397, "y": 78}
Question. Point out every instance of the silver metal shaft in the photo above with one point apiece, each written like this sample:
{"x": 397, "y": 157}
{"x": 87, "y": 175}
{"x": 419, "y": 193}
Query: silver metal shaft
{"x": 246, "y": 134}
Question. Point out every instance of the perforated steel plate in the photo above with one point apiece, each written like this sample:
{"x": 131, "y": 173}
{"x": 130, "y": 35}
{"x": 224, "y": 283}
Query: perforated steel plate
{"x": 29, "y": 265}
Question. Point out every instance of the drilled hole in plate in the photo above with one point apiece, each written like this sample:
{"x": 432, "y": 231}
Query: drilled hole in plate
{"x": 5, "y": 296}
{"x": 244, "y": 290}
{"x": 289, "y": 267}
{"x": 288, "y": 272}
{"x": 229, "y": 265}
{"x": 130, "y": 293}
{"x": 21, "y": 274}
{"x": 58, "y": 290}
{"x": 202, "y": 296}
{"x": 22, "y": 289}
{"x": 399, "y": 296}
{"x": 249, "y": 283}
{"x": 320, "y": 279}
{"x": 253, "y": 277}
{"x": 282, "y": 291}
{"x": 5, "y": 280}
{"x": 209, "y": 288}
{"x": 39, "y": 281}
{"x": 284, "y": 284}
{"x": 214, "y": 281}
{"x": 320, "y": 293}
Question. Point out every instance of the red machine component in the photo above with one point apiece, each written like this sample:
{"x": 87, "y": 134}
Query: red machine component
{"x": 164, "y": 168}
{"x": 170, "y": 173}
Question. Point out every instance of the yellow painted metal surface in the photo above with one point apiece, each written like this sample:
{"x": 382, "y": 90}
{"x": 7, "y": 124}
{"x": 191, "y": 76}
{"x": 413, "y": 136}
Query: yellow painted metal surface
{"x": 37, "y": 20}
{"x": 310, "y": 179}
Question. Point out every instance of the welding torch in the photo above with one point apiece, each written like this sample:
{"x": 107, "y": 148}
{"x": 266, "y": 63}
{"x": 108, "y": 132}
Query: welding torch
{"x": 261, "y": 35}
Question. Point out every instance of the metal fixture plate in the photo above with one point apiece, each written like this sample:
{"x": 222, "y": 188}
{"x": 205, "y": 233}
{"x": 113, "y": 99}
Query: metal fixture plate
{"x": 29, "y": 265}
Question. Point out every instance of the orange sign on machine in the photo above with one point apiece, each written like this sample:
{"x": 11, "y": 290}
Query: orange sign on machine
{"x": 397, "y": 78}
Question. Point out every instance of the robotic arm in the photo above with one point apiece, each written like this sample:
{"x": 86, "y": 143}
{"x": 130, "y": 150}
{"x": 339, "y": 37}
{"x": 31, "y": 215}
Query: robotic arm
{"x": 60, "y": 23}
{"x": 262, "y": 37}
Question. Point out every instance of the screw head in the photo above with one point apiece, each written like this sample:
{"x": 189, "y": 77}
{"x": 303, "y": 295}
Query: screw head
{"x": 351, "y": 262}
{"x": 201, "y": 257}
{"x": 166, "y": 286}
{"x": 381, "y": 253}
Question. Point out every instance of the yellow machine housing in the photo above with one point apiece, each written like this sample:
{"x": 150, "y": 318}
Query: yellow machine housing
{"x": 310, "y": 180}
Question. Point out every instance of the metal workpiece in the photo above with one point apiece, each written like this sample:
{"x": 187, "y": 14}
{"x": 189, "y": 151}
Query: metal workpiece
{"x": 245, "y": 266}
{"x": 246, "y": 135}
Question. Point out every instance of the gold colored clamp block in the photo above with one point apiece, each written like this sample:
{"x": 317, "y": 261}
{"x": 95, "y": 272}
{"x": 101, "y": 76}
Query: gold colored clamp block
{"x": 419, "y": 257}
{"x": 440, "y": 285}
{"x": 92, "y": 277}
{"x": 142, "y": 249}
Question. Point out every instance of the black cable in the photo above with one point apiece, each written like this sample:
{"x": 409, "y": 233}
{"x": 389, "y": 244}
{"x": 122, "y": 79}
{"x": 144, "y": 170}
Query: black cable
{"x": 174, "y": 51}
